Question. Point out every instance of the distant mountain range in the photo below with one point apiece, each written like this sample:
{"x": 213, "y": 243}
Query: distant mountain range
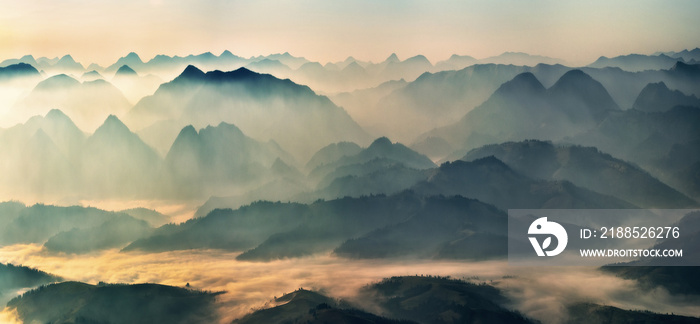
{"x": 261, "y": 105}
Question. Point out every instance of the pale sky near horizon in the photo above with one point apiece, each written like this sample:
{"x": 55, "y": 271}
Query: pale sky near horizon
{"x": 321, "y": 30}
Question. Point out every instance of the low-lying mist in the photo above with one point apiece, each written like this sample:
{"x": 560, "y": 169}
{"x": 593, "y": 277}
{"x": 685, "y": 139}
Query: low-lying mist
{"x": 540, "y": 293}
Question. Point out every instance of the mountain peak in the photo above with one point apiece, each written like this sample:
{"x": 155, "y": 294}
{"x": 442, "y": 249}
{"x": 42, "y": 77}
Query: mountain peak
{"x": 113, "y": 125}
{"x": 587, "y": 89}
{"x": 523, "y": 82}
{"x": 132, "y": 56}
{"x": 67, "y": 58}
{"x": 392, "y": 58}
{"x": 57, "y": 81}
{"x": 381, "y": 143}
{"x": 56, "y": 115}
{"x": 191, "y": 72}
{"x": 125, "y": 70}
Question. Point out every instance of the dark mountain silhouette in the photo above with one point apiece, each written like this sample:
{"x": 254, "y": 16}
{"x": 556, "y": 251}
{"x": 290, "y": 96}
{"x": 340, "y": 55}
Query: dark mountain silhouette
{"x": 662, "y": 142}
{"x": 636, "y": 62}
{"x": 235, "y": 230}
{"x": 593, "y": 313}
{"x": 581, "y": 96}
{"x": 586, "y": 167}
{"x": 427, "y": 299}
{"x": 433, "y": 229}
{"x": 19, "y": 70}
{"x": 657, "y": 97}
{"x": 285, "y": 230}
{"x": 687, "y": 55}
{"x": 492, "y": 181}
{"x": 125, "y": 70}
{"x": 523, "y": 109}
{"x": 305, "y": 306}
{"x": 16, "y": 277}
{"x": 261, "y": 105}
{"x": 76, "y": 302}
{"x": 117, "y": 162}
{"x": 27, "y": 59}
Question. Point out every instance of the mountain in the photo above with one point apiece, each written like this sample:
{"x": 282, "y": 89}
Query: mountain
{"x": 125, "y": 70}
{"x": 522, "y": 59}
{"x": 269, "y": 231}
{"x": 41, "y": 156}
{"x": 435, "y": 100}
{"x": 38, "y": 223}
{"x": 132, "y": 60}
{"x": 586, "y": 167}
{"x": 19, "y": 70}
{"x": 492, "y": 181}
{"x": 117, "y": 162}
{"x": 636, "y": 62}
{"x": 116, "y": 232}
{"x": 593, "y": 313}
{"x": 451, "y": 228}
{"x": 305, "y": 306}
{"x": 262, "y": 106}
{"x": 92, "y": 75}
{"x": 331, "y": 153}
{"x": 657, "y": 97}
{"x": 661, "y": 142}
{"x": 208, "y": 161}
{"x": 381, "y": 149}
{"x": 152, "y": 217}
{"x": 686, "y": 55}
{"x": 76, "y": 302}
{"x": 234, "y": 230}
{"x": 27, "y": 59}
{"x": 430, "y": 299}
{"x": 88, "y": 103}
{"x": 17, "y": 277}
{"x": 270, "y": 66}
{"x": 456, "y": 62}
{"x": 523, "y": 109}
{"x": 66, "y": 64}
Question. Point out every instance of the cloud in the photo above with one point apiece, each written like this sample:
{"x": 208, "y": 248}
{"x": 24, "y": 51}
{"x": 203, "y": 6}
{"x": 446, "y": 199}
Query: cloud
{"x": 542, "y": 293}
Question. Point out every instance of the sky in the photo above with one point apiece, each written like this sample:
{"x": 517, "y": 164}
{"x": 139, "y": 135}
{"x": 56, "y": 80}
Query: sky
{"x": 320, "y": 30}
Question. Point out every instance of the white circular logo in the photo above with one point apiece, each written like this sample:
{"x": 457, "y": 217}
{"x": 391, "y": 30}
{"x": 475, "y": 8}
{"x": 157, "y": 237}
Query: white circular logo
{"x": 542, "y": 226}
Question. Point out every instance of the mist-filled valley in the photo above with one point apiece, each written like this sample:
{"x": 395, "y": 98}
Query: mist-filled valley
{"x": 275, "y": 189}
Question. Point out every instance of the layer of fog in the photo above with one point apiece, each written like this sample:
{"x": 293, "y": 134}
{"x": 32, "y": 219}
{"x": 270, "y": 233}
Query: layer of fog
{"x": 540, "y": 293}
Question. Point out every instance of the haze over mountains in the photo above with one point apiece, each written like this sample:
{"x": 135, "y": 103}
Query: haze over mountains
{"x": 280, "y": 161}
